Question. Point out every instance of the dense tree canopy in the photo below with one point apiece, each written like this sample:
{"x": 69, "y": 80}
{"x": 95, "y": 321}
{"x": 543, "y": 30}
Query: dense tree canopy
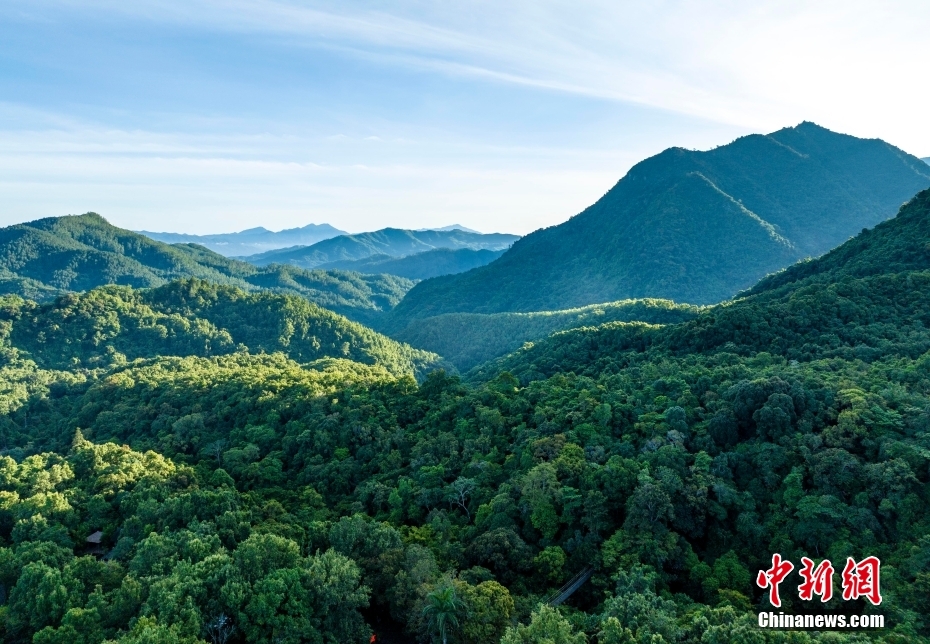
{"x": 471, "y": 339}
{"x": 112, "y": 324}
{"x": 246, "y": 497}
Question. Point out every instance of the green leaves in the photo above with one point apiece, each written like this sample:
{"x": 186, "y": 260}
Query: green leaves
{"x": 546, "y": 627}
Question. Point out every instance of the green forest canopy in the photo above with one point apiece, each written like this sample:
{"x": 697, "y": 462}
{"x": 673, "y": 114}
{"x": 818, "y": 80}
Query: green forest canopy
{"x": 470, "y": 339}
{"x": 45, "y": 258}
{"x": 112, "y": 324}
{"x": 249, "y": 498}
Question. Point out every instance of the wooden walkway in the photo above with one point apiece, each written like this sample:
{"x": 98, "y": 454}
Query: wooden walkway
{"x": 570, "y": 587}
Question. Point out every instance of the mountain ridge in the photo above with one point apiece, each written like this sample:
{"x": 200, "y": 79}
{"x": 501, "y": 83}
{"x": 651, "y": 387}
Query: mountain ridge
{"x": 419, "y": 266}
{"x": 251, "y": 240}
{"x": 108, "y": 325}
{"x": 861, "y": 301}
{"x": 56, "y": 255}
{"x": 692, "y": 226}
{"x": 396, "y": 242}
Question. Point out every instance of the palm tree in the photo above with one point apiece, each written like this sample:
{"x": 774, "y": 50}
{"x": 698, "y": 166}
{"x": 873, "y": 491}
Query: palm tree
{"x": 441, "y": 611}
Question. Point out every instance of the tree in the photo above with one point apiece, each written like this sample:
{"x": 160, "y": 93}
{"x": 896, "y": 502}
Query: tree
{"x": 546, "y": 626}
{"x": 442, "y": 610}
{"x": 487, "y": 608}
{"x": 459, "y": 492}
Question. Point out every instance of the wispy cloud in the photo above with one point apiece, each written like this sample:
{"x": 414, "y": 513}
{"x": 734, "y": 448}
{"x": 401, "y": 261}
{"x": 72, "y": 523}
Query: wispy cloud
{"x": 478, "y": 147}
{"x": 751, "y": 64}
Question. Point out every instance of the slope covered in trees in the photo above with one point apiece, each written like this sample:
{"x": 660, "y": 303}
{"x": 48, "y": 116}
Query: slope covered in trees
{"x": 244, "y": 498}
{"x": 470, "y": 339}
{"x": 48, "y": 257}
{"x": 420, "y": 266}
{"x": 251, "y": 241}
{"x": 388, "y": 241}
{"x": 866, "y": 299}
{"x": 109, "y": 325}
{"x": 693, "y": 226}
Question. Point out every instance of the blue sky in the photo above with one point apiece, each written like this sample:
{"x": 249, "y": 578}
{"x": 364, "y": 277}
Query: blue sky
{"x": 216, "y": 115}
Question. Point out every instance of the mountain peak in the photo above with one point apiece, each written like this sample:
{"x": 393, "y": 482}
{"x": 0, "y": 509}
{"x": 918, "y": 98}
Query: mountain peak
{"x": 252, "y": 240}
{"x": 693, "y": 226}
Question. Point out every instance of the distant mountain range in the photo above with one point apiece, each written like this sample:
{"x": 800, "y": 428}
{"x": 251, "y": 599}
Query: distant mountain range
{"x": 48, "y": 257}
{"x": 692, "y": 226}
{"x": 420, "y": 266}
{"x": 251, "y": 241}
{"x": 452, "y": 227}
{"x": 393, "y": 242}
{"x": 927, "y": 160}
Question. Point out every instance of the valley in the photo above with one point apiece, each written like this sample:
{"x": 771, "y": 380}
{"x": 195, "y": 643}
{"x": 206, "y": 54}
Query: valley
{"x": 323, "y": 451}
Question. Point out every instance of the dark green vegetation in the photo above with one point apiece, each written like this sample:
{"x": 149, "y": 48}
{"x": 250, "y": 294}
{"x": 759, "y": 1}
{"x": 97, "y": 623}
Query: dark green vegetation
{"x": 469, "y": 339}
{"x": 420, "y": 266}
{"x": 251, "y": 241}
{"x": 111, "y": 325}
{"x": 693, "y": 226}
{"x": 247, "y": 498}
{"x": 48, "y": 257}
{"x": 389, "y": 241}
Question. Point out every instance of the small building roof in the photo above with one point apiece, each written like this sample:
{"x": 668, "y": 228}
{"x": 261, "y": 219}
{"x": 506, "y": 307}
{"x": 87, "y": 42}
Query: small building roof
{"x": 96, "y": 537}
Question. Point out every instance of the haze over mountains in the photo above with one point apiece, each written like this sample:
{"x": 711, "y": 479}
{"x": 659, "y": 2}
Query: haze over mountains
{"x": 420, "y": 266}
{"x": 393, "y": 242}
{"x": 235, "y": 450}
{"x": 692, "y": 226}
{"x": 48, "y": 257}
{"x": 257, "y": 456}
{"x": 251, "y": 241}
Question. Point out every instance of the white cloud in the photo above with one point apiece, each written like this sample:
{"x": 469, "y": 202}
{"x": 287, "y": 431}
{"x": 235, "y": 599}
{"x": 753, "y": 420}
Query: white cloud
{"x": 758, "y": 64}
{"x": 155, "y": 181}
{"x": 854, "y": 66}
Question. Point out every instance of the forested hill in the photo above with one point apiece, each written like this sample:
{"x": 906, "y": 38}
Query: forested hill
{"x": 109, "y": 325}
{"x": 867, "y": 299}
{"x": 48, "y": 257}
{"x": 244, "y": 498}
{"x": 693, "y": 226}
{"x": 895, "y": 246}
{"x": 253, "y": 240}
{"x": 388, "y": 241}
{"x": 469, "y": 339}
{"x": 420, "y": 266}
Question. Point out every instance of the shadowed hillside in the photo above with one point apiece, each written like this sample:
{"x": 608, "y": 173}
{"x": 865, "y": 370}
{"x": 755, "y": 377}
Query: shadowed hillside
{"x": 421, "y": 266}
{"x": 693, "y": 226}
{"x": 469, "y": 339}
{"x": 862, "y": 301}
